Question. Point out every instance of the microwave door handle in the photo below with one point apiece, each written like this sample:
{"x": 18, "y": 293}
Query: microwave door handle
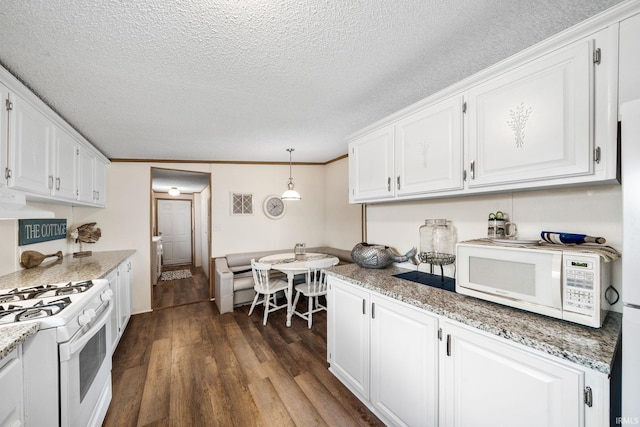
{"x": 75, "y": 344}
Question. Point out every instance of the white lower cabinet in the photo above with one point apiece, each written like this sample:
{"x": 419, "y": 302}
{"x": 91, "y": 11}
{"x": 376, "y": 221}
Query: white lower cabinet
{"x": 404, "y": 363}
{"x": 120, "y": 283}
{"x": 115, "y": 334}
{"x": 485, "y": 382}
{"x": 12, "y": 389}
{"x": 385, "y": 352}
{"x": 124, "y": 295}
{"x": 414, "y": 368}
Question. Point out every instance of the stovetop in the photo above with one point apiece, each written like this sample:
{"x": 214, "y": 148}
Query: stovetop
{"x": 52, "y": 304}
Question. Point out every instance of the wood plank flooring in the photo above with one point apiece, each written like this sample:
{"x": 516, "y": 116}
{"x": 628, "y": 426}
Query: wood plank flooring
{"x": 182, "y": 291}
{"x": 187, "y": 365}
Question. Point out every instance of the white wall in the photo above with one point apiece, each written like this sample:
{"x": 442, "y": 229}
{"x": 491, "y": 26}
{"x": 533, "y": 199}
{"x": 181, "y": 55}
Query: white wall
{"x": 595, "y": 211}
{"x": 10, "y": 251}
{"x": 302, "y": 222}
{"x": 343, "y": 222}
{"x": 125, "y": 222}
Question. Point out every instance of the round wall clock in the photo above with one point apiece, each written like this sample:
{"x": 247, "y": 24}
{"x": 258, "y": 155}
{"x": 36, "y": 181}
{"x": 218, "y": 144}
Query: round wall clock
{"x": 274, "y": 207}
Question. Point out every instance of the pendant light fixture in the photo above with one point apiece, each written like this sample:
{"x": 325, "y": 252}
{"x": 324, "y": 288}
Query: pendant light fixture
{"x": 173, "y": 191}
{"x": 290, "y": 194}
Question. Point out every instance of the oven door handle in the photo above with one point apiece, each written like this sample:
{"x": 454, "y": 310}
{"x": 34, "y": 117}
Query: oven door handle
{"x": 68, "y": 349}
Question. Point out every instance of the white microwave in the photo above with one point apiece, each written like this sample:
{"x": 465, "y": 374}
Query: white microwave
{"x": 559, "y": 283}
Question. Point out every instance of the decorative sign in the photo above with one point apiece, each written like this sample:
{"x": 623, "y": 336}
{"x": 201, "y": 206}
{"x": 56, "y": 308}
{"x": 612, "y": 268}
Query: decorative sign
{"x": 41, "y": 230}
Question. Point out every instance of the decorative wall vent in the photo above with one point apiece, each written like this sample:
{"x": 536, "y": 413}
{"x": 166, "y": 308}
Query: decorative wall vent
{"x": 241, "y": 204}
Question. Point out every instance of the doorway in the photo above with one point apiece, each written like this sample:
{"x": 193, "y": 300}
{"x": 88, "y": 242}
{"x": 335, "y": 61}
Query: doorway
{"x": 182, "y": 223}
{"x": 174, "y": 225}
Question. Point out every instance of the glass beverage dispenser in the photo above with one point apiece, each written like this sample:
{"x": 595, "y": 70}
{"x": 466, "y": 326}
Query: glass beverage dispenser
{"x": 437, "y": 244}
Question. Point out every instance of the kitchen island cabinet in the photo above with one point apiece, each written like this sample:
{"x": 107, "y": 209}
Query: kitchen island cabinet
{"x": 386, "y": 352}
{"x": 485, "y": 352}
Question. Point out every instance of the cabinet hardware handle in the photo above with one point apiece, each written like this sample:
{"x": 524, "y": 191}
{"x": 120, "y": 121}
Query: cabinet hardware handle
{"x": 58, "y": 183}
{"x": 398, "y": 182}
{"x": 448, "y": 344}
{"x": 7, "y": 173}
{"x": 364, "y": 307}
{"x": 50, "y": 185}
{"x": 472, "y": 169}
{"x": 588, "y": 397}
{"x": 596, "y": 154}
{"x": 389, "y": 184}
{"x": 373, "y": 310}
{"x": 440, "y": 334}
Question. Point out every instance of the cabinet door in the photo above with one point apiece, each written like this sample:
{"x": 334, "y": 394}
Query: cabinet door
{"x": 4, "y": 129}
{"x": 404, "y": 363}
{"x": 348, "y": 335}
{"x": 534, "y": 122}
{"x": 629, "y": 59}
{"x": 486, "y": 382}
{"x": 12, "y": 390}
{"x": 64, "y": 166}
{"x": 124, "y": 295}
{"x": 100, "y": 182}
{"x": 429, "y": 149}
{"x": 86, "y": 166}
{"x": 371, "y": 169}
{"x": 30, "y": 140}
{"x": 115, "y": 300}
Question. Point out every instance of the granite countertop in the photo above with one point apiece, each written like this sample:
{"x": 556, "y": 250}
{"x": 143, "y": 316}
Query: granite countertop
{"x": 15, "y": 334}
{"x": 68, "y": 269}
{"x": 593, "y": 348}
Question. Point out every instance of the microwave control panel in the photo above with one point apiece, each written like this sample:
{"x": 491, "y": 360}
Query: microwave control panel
{"x": 580, "y": 278}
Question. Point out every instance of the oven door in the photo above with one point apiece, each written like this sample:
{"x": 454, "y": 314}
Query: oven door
{"x": 85, "y": 373}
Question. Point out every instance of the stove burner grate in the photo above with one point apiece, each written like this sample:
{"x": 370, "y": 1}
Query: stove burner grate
{"x": 43, "y": 291}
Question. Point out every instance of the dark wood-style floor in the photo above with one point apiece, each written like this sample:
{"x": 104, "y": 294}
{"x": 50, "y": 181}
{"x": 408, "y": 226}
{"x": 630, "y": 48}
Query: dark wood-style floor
{"x": 187, "y": 365}
{"x": 171, "y": 293}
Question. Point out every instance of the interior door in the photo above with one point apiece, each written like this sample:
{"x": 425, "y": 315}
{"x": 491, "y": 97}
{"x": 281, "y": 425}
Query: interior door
{"x": 174, "y": 225}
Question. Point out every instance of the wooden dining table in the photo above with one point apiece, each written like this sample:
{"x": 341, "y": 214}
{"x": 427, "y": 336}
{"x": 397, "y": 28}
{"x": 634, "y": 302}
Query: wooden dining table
{"x": 291, "y": 265}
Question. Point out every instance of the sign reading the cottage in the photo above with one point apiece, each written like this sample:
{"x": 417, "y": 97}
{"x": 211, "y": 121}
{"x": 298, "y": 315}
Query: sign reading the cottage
{"x": 41, "y": 230}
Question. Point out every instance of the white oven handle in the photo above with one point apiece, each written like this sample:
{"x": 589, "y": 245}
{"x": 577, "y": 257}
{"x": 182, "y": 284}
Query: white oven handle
{"x": 75, "y": 344}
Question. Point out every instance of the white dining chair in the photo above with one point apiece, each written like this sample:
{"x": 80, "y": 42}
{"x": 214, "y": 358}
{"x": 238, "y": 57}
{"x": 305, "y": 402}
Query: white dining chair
{"x": 314, "y": 287}
{"x": 266, "y": 287}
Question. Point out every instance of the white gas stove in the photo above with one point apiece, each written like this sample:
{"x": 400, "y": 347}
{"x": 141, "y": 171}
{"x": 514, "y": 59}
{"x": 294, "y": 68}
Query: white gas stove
{"x": 70, "y": 356}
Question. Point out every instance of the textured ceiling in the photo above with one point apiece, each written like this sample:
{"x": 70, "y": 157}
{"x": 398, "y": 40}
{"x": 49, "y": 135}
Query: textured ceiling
{"x": 243, "y": 80}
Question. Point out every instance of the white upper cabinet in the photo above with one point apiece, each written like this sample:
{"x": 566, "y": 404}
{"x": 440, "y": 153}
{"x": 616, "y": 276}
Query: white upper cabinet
{"x": 100, "y": 182}
{"x": 92, "y": 173}
{"x": 40, "y": 153}
{"x": 4, "y": 126}
{"x": 429, "y": 149}
{"x": 371, "y": 169}
{"x": 421, "y": 153}
{"x": 64, "y": 165}
{"x": 629, "y": 59}
{"x": 535, "y": 121}
{"x": 30, "y": 145}
{"x": 545, "y": 117}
